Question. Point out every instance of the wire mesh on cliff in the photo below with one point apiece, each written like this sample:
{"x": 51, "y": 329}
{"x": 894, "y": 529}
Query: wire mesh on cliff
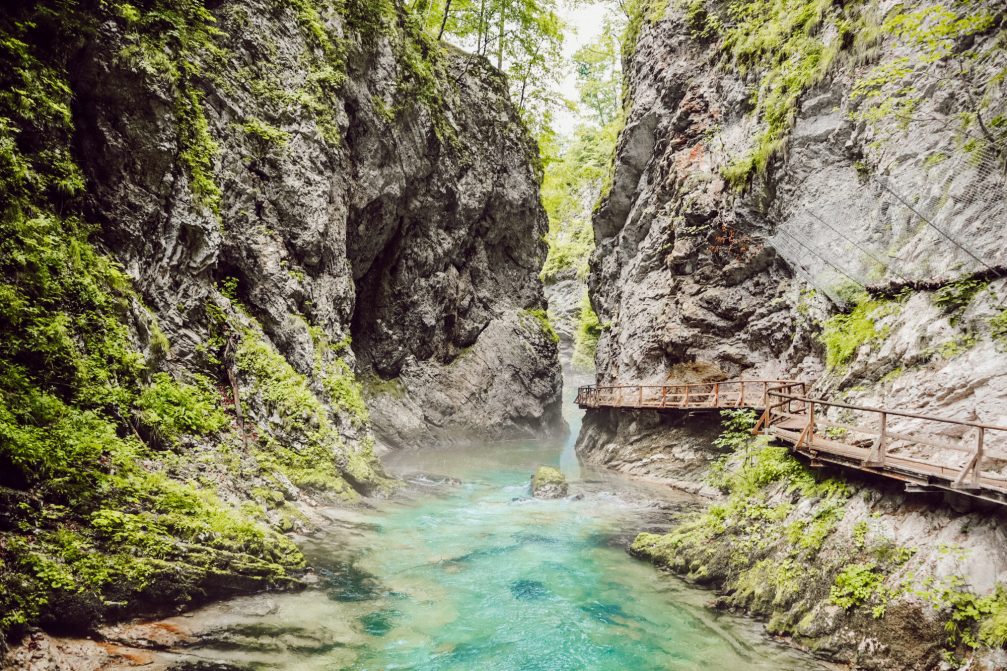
{"x": 932, "y": 218}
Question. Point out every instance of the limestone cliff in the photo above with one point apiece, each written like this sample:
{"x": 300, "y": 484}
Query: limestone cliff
{"x": 244, "y": 243}
{"x": 816, "y": 191}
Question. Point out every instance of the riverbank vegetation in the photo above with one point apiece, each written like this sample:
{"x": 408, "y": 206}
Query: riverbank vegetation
{"x": 801, "y": 547}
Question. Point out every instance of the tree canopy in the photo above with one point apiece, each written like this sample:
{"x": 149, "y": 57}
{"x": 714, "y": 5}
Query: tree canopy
{"x": 523, "y": 38}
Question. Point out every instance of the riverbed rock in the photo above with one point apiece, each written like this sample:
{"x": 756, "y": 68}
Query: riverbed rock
{"x": 548, "y": 483}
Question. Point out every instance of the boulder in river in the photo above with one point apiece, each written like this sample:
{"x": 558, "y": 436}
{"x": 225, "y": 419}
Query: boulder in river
{"x": 548, "y": 483}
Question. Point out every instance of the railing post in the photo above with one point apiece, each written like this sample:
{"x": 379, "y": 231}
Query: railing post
{"x": 809, "y": 431}
{"x": 640, "y": 397}
{"x": 619, "y": 397}
{"x": 876, "y": 457}
{"x": 883, "y": 438}
{"x": 685, "y": 400}
{"x": 811, "y": 424}
{"x": 664, "y": 394}
{"x": 979, "y": 456}
{"x": 716, "y": 394}
{"x": 741, "y": 397}
{"x": 973, "y": 466}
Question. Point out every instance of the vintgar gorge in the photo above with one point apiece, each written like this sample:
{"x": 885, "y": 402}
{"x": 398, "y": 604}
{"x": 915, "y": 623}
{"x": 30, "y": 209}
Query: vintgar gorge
{"x": 503, "y": 335}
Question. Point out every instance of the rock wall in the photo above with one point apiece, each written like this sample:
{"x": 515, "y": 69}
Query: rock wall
{"x": 245, "y": 245}
{"x": 812, "y": 192}
{"x": 409, "y": 221}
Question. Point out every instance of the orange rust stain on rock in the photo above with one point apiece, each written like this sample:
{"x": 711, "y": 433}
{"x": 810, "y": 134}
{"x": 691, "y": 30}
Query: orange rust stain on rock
{"x": 131, "y": 655}
{"x": 172, "y": 628}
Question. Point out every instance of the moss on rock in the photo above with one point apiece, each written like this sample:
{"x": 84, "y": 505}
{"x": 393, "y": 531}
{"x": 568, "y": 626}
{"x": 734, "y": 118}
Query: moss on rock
{"x": 548, "y": 483}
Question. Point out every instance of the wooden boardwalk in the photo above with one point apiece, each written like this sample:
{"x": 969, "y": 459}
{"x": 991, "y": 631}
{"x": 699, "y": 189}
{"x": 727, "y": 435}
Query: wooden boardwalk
{"x": 925, "y": 452}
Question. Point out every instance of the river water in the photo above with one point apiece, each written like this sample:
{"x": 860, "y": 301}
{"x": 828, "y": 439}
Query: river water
{"x": 464, "y": 571}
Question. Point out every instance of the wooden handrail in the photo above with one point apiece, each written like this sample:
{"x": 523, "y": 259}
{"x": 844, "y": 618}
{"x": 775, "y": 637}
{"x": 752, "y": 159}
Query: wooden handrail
{"x": 898, "y": 413}
{"x": 792, "y": 416}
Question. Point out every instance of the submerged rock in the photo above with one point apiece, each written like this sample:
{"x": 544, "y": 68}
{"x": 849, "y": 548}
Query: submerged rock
{"x": 529, "y": 590}
{"x": 548, "y": 483}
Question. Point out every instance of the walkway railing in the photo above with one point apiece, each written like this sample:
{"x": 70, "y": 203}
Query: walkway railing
{"x": 921, "y": 450}
{"x": 703, "y": 395}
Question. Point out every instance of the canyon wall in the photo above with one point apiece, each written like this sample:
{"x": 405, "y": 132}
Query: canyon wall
{"x": 813, "y": 191}
{"x": 244, "y": 246}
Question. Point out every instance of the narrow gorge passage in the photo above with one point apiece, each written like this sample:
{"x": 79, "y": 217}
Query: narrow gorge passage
{"x": 466, "y": 571}
{"x": 289, "y": 289}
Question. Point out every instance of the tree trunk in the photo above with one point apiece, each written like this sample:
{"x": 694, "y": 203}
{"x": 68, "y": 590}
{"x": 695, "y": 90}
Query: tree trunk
{"x": 500, "y": 38}
{"x": 481, "y": 30}
{"x": 444, "y": 21}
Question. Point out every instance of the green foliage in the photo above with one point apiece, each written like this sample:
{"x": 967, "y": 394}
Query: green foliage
{"x": 783, "y": 41}
{"x": 345, "y": 393}
{"x": 576, "y": 171}
{"x": 998, "y": 327}
{"x": 956, "y": 346}
{"x": 573, "y": 181}
{"x": 314, "y": 455}
{"x": 544, "y": 325}
{"x": 747, "y": 523}
{"x": 810, "y": 536}
{"x": 177, "y": 41}
{"x": 993, "y": 620}
{"x": 845, "y": 333}
{"x": 585, "y": 344}
{"x": 198, "y": 149}
{"x": 599, "y": 77}
{"x": 172, "y": 410}
{"x": 934, "y": 35}
{"x": 736, "y": 429}
{"x": 265, "y": 134}
{"x": 972, "y": 620}
{"x": 522, "y": 38}
{"x": 955, "y": 297}
{"x": 376, "y": 386}
{"x": 702, "y": 22}
{"x": 856, "y": 585}
{"x": 639, "y": 13}
{"x": 860, "y": 534}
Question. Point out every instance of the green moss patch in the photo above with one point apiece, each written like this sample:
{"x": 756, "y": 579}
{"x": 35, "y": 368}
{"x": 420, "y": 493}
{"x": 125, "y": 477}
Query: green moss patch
{"x": 589, "y": 329}
{"x": 312, "y": 454}
{"x": 542, "y": 320}
{"x": 845, "y": 333}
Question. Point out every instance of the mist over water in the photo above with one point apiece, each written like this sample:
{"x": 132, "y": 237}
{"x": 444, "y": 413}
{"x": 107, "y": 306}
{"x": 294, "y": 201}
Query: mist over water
{"x": 467, "y": 572}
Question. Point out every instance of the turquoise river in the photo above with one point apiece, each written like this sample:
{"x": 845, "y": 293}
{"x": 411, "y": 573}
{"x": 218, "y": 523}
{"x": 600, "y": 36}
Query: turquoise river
{"x": 464, "y": 571}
